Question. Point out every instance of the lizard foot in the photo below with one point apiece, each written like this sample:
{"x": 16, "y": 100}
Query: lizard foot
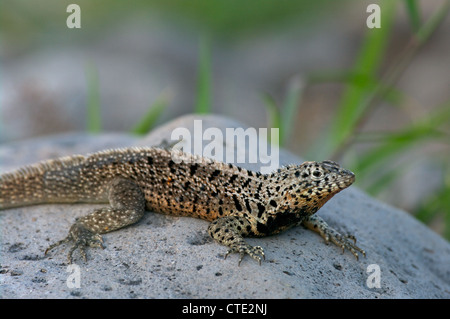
{"x": 345, "y": 242}
{"x": 256, "y": 252}
{"x": 82, "y": 238}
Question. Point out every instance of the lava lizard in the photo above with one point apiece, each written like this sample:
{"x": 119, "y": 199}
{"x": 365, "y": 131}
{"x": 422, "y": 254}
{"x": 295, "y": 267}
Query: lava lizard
{"x": 238, "y": 202}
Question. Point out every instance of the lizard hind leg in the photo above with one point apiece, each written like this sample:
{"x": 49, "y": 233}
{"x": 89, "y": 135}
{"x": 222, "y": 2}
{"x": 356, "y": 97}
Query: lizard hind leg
{"x": 229, "y": 231}
{"x": 127, "y": 206}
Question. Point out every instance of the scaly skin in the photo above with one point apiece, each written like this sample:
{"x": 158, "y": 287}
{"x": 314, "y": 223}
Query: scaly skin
{"x": 238, "y": 203}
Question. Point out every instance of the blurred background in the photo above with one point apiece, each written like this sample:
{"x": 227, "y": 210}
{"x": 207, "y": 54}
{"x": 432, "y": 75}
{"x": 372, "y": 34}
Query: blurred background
{"x": 376, "y": 100}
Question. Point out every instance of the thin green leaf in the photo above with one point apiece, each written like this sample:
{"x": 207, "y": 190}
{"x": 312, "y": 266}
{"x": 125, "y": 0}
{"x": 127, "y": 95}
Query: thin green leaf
{"x": 384, "y": 179}
{"x": 290, "y": 107}
{"x": 149, "y": 119}
{"x": 93, "y": 114}
{"x": 438, "y": 203}
{"x": 273, "y": 116}
{"x": 204, "y": 93}
{"x": 432, "y": 24}
{"x": 435, "y": 203}
{"x": 396, "y": 143}
{"x": 412, "y": 10}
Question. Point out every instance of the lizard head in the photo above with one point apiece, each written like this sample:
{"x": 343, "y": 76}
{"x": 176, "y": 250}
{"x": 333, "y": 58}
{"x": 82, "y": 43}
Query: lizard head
{"x": 307, "y": 187}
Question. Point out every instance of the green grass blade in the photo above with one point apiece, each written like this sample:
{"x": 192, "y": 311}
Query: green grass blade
{"x": 398, "y": 142}
{"x": 432, "y": 24}
{"x": 438, "y": 203}
{"x": 93, "y": 114}
{"x": 412, "y": 10}
{"x": 204, "y": 84}
{"x": 149, "y": 119}
{"x": 385, "y": 178}
{"x": 290, "y": 107}
{"x": 394, "y": 144}
{"x": 273, "y": 117}
{"x": 435, "y": 203}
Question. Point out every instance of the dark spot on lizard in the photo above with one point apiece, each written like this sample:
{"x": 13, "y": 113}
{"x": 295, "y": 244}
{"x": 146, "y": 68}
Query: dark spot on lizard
{"x": 237, "y": 204}
{"x": 261, "y": 209}
{"x": 259, "y": 187}
{"x": 214, "y": 174}
{"x": 193, "y": 168}
{"x": 279, "y": 222}
{"x": 247, "y": 205}
{"x": 246, "y": 183}
{"x": 171, "y": 165}
{"x": 233, "y": 178}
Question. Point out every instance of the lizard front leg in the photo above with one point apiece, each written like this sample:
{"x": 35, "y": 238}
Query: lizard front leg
{"x": 318, "y": 225}
{"x": 127, "y": 206}
{"x": 229, "y": 231}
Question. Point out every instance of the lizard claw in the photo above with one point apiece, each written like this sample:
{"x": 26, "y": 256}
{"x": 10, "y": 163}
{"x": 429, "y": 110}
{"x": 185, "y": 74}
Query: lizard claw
{"x": 344, "y": 242}
{"x": 256, "y": 253}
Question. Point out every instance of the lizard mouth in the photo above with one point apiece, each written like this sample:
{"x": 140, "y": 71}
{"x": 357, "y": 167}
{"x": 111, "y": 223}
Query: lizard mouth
{"x": 346, "y": 176}
{"x": 349, "y": 175}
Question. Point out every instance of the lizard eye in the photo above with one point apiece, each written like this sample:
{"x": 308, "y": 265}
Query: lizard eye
{"x": 317, "y": 174}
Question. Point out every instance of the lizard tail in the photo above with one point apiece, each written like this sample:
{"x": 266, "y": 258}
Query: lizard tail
{"x": 30, "y": 185}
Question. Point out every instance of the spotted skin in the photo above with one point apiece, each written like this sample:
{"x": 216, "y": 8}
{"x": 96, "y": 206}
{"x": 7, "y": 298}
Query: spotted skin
{"x": 239, "y": 203}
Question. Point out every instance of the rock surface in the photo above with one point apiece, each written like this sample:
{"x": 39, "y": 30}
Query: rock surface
{"x": 173, "y": 257}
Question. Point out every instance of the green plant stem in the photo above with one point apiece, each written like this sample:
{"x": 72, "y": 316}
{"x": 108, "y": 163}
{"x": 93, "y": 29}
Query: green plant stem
{"x": 204, "y": 95}
{"x": 413, "y": 13}
{"x": 93, "y": 118}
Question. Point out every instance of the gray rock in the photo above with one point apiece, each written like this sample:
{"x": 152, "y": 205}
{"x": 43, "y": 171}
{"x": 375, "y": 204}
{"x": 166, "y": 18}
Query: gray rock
{"x": 173, "y": 257}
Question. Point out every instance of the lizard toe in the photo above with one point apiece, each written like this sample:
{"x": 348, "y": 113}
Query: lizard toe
{"x": 347, "y": 243}
{"x": 256, "y": 253}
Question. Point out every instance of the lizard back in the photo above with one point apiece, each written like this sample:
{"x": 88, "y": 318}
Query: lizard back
{"x": 173, "y": 182}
